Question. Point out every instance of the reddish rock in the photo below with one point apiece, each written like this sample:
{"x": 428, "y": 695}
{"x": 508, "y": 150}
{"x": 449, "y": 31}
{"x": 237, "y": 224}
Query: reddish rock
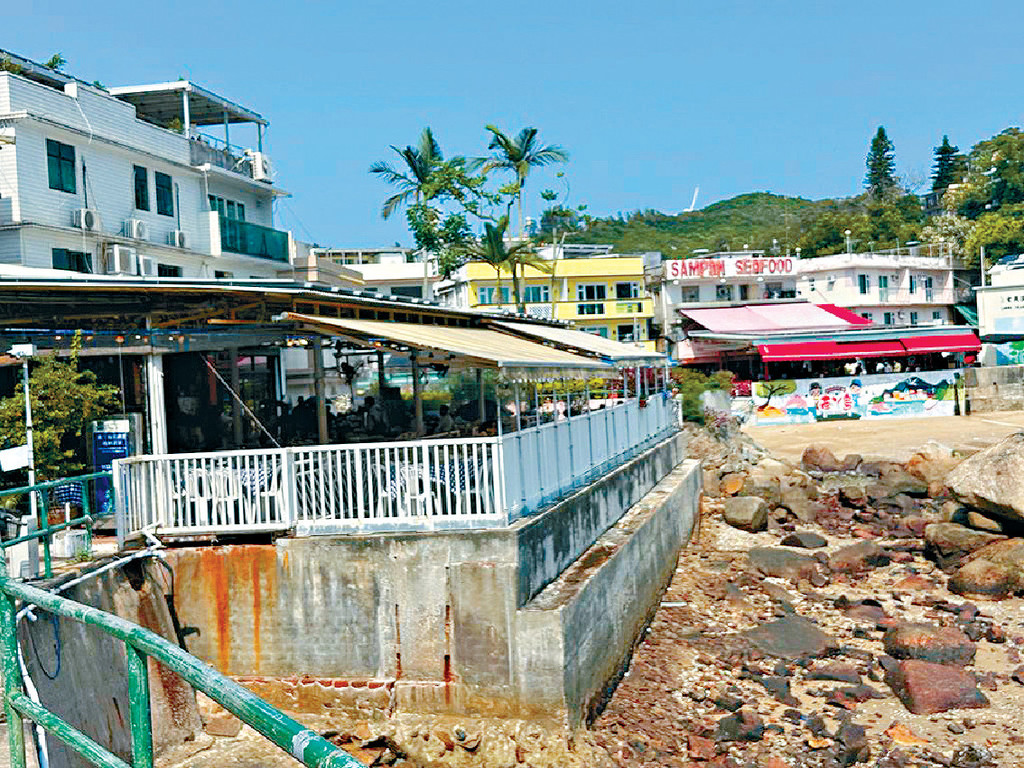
{"x": 804, "y": 540}
{"x": 782, "y": 563}
{"x": 981, "y": 578}
{"x": 843, "y": 673}
{"x": 744, "y": 725}
{"x": 949, "y": 544}
{"x": 928, "y": 642}
{"x": 700, "y": 748}
{"x": 819, "y": 457}
{"x": 926, "y": 688}
{"x": 913, "y": 583}
{"x": 859, "y": 557}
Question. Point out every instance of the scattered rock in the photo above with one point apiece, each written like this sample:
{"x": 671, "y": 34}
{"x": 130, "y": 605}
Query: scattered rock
{"x": 700, "y": 748}
{"x": 792, "y": 637}
{"x": 990, "y": 479}
{"x": 843, "y": 673}
{"x": 981, "y": 578}
{"x": 731, "y": 484}
{"x": 850, "y": 462}
{"x": 782, "y": 563}
{"x": 743, "y": 725}
{"x": 712, "y": 483}
{"x": 224, "y": 724}
{"x": 819, "y": 457}
{"x": 902, "y": 735}
{"x": 748, "y": 513}
{"x": 928, "y": 642}
{"x": 859, "y": 557}
{"x": 854, "y": 739}
{"x": 980, "y": 522}
{"x": 926, "y": 688}
{"x": 804, "y": 540}
{"x": 948, "y": 543}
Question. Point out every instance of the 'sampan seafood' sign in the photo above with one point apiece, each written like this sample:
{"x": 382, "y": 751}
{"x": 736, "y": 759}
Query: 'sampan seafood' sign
{"x": 698, "y": 269}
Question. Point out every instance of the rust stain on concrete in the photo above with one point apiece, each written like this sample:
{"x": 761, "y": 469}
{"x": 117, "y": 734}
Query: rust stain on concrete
{"x": 218, "y": 575}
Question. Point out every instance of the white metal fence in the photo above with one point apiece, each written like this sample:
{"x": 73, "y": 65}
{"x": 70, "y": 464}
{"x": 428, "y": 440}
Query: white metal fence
{"x": 419, "y": 484}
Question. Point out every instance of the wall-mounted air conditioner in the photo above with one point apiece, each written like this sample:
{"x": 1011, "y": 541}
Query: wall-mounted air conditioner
{"x": 136, "y": 229}
{"x": 178, "y": 239}
{"x": 88, "y": 219}
{"x": 121, "y": 260}
{"x": 261, "y": 167}
{"x": 147, "y": 266}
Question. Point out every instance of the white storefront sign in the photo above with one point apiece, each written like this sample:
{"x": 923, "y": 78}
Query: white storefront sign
{"x": 700, "y": 269}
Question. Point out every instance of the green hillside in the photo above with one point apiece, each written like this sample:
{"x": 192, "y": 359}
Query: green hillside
{"x": 754, "y": 220}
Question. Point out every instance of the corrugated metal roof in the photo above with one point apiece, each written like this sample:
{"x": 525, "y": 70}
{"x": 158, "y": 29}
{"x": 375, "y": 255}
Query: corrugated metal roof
{"x": 588, "y": 343}
{"x": 480, "y": 346}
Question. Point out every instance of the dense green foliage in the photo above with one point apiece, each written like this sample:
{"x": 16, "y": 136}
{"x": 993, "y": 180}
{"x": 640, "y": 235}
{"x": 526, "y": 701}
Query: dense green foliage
{"x": 950, "y": 166}
{"x": 64, "y": 401}
{"x": 691, "y": 384}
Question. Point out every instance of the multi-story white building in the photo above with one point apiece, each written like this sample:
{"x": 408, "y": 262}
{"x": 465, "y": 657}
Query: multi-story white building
{"x": 384, "y": 271}
{"x": 122, "y": 181}
{"x": 887, "y": 289}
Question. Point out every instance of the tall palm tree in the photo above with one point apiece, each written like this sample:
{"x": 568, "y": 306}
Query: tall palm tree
{"x": 420, "y": 161}
{"x": 519, "y": 154}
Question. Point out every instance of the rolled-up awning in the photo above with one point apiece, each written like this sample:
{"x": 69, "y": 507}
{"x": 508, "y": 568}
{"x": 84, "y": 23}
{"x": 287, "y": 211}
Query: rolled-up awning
{"x": 478, "y": 347}
{"x": 950, "y": 342}
{"x": 831, "y": 350}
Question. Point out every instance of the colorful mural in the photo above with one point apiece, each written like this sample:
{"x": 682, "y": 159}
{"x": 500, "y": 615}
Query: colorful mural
{"x": 1010, "y": 353}
{"x": 887, "y": 395}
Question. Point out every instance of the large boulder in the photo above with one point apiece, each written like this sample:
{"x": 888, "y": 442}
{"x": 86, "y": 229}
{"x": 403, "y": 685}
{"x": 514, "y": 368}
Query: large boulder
{"x": 981, "y": 578}
{"x": 818, "y": 457}
{"x": 932, "y": 463}
{"x": 929, "y": 642}
{"x": 792, "y": 637}
{"x": 782, "y": 563}
{"x": 926, "y": 688}
{"x": 748, "y": 513}
{"x": 949, "y": 544}
{"x": 992, "y": 480}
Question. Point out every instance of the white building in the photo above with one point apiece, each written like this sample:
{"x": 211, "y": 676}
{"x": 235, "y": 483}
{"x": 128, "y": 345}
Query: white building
{"x": 888, "y": 289}
{"x": 384, "y": 271}
{"x": 122, "y": 181}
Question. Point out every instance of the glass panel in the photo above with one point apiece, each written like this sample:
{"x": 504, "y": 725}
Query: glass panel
{"x": 164, "y": 194}
{"x": 141, "y": 188}
{"x": 254, "y": 240}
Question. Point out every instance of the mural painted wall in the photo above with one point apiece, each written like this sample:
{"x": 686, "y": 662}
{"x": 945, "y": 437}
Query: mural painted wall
{"x": 1010, "y": 353}
{"x": 876, "y": 396}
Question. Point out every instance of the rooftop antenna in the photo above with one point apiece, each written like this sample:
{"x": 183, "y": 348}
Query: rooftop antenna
{"x": 693, "y": 203}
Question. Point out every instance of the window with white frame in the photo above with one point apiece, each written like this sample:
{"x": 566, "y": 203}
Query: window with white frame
{"x": 937, "y": 315}
{"x": 629, "y": 290}
{"x": 536, "y": 294}
{"x": 864, "y": 283}
{"x": 489, "y": 294}
{"x": 596, "y": 330}
{"x": 626, "y": 332}
{"x": 887, "y": 318}
{"x": 591, "y": 297}
{"x": 723, "y": 293}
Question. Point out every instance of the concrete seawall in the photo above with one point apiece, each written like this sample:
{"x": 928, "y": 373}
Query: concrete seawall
{"x": 450, "y": 621}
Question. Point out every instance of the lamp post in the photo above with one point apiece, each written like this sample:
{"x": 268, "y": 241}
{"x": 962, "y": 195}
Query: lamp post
{"x": 25, "y": 351}
{"x": 848, "y": 233}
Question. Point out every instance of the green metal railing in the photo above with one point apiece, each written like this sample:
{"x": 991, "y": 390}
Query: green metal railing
{"x": 304, "y": 745}
{"x": 55, "y": 491}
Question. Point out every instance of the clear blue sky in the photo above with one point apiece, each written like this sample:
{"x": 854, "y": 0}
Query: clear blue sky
{"x": 652, "y": 98}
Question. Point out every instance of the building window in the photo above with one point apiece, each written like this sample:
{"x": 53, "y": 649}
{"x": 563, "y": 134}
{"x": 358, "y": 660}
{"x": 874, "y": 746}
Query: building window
{"x": 60, "y": 166}
{"x": 166, "y": 270}
{"x": 75, "y": 261}
{"x": 626, "y": 332}
{"x": 220, "y": 274}
{"x": 411, "y": 291}
{"x": 864, "y": 282}
{"x": 723, "y": 293}
{"x": 627, "y": 290}
{"x": 595, "y": 293}
{"x": 883, "y": 287}
{"x": 690, "y": 293}
{"x": 236, "y": 212}
{"x": 831, "y": 283}
{"x": 141, "y": 176}
{"x": 536, "y": 294}
{"x": 596, "y": 330}
{"x": 164, "y": 194}
{"x": 927, "y": 282}
{"x": 744, "y": 292}
{"x": 887, "y": 318}
{"x": 913, "y": 318}
{"x": 810, "y": 284}
{"x": 913, "y": 283}
{"x": 866, "y": 315}
{"x": 488, "y": 294}
{"x": 937, "y": 315}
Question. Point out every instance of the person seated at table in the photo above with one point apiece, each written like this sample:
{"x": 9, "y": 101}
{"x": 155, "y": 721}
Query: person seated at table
{"x": 445, "y": 422}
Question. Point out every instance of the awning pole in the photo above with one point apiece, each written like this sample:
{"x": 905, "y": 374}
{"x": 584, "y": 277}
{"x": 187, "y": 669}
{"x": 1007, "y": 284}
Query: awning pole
{"x": 519, "y": 406}
{"x": 381, "y": 381}
{"x": 319, "y": 389}
{"x": 481, "y": 402}
{"x": 417, "y": 399}
{"x": 236, "y": 410}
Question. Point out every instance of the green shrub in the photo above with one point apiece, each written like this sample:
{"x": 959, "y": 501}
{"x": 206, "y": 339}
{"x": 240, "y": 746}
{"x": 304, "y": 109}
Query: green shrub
{"x": 692, "y": 384}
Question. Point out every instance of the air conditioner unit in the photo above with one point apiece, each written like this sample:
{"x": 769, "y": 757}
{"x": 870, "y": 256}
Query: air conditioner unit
{"x": 88, "y": 219}
{"x": 136, "y": 229}
{"x": 147, "y": 266}
{"x": 178, "y": 239}
{"x": 121, "y": 260}
{"x": 261, "y": 168}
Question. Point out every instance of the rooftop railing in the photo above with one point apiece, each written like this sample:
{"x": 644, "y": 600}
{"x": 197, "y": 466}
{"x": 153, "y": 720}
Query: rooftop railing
{"x": 251, "y": 239}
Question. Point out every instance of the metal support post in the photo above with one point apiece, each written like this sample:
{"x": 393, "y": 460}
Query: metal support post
{"x": 481, "y": 400}
{"x": 11, "y": 673}
{"x": 237, "y": 432}
{"x": 138, "y": 707}
{"x": 319, "y": 389}
{"x": 417, "y": 396}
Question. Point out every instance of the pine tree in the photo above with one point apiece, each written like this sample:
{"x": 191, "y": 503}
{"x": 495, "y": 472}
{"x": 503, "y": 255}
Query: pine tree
{"x": 949, "y": 165}
{"x": 881, "y": 165}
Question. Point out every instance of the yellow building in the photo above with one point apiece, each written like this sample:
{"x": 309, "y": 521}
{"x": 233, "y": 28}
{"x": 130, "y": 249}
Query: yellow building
{"x": 602, "y": 294}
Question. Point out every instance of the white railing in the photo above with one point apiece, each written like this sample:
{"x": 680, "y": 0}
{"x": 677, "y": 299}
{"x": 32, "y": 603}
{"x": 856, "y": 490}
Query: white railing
{"x": 412, "y": 485}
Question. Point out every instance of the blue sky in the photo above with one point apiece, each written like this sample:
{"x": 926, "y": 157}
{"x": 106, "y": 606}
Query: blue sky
{"x": 651, "y": 99}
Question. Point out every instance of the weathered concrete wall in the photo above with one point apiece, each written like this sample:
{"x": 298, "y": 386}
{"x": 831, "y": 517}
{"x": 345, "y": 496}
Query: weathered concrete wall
{"x": 89, "y": 685}
{"x": 550, "y": 541}
{"x": 433, "y": 621}
{"x": 998, "y": 388}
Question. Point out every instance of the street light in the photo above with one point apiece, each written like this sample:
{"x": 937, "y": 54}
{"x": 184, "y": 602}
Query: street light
{"x": 25, "y": 351}
{"x": 848, "y": 233}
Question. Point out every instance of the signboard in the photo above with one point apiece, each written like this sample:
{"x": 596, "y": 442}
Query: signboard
{"x": 14, "y": 458}
{"x": 703, "y": 269}
{"x": 111, "y": 439}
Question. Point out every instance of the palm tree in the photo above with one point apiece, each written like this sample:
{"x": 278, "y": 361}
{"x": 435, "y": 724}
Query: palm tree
{"x": 519, "y": 154}
{"x": 420, "y": 161}
{"x": 494, "y": 250}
